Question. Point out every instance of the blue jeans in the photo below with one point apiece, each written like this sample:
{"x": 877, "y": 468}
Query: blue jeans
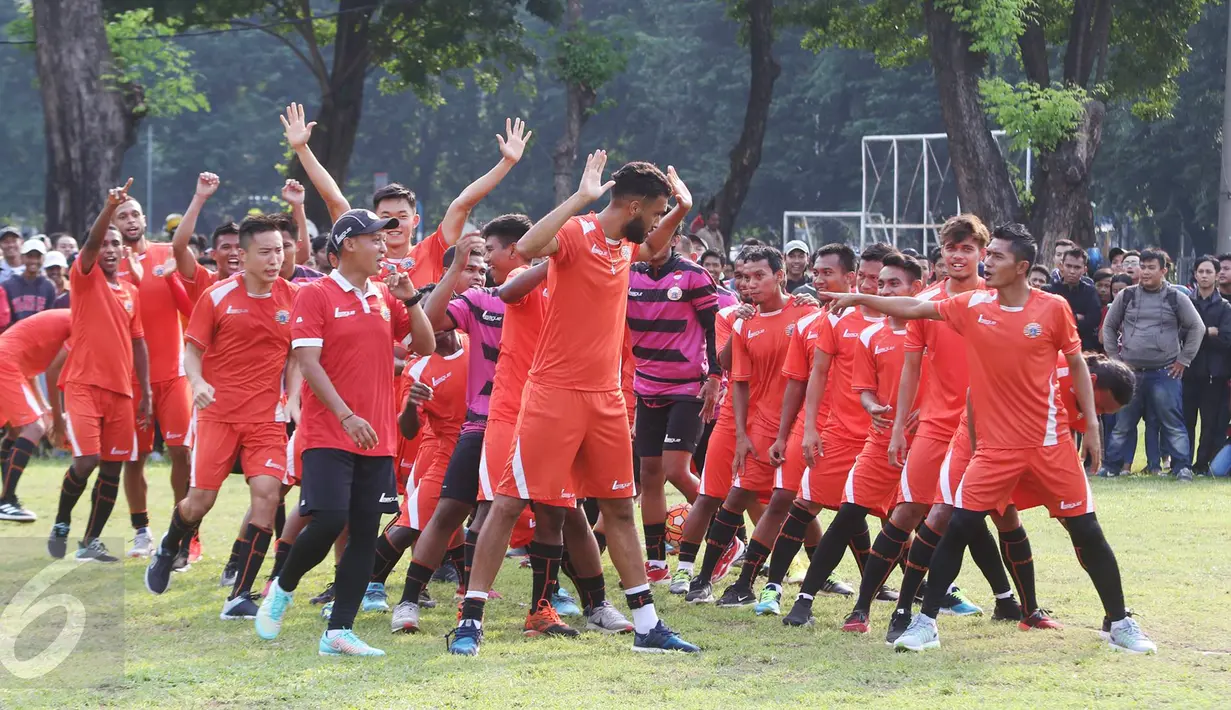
{"x": 1161, "y": 394}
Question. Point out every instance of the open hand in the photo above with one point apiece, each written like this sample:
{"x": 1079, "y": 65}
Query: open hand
{"x": 513, "y": 142}
{"x": 360, "y": 432}
{"x": 592, "y": 186}
{"x": 298, "y": 133}
{"x": 678, "y": 189}
{"x": 878, "y": 411}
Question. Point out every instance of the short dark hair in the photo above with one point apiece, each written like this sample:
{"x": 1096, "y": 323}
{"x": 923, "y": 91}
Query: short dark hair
{"x": 1156, "y": 254}
{"x": 1113, "y": 252}
{"x": 1122, "y": 279}
{"x": 752, "y": 242}
{"x": 1113, "y": 376}
{"x": 1042, "y": 270}
{"x": 761, "y": 252}
{"x": 286, "y": 223}
{"x": 845, "y": 254}
{"x": 909, "y": 264}
{"x": 959, "y": 228}
{"x": 507, "y": 228}
{"x": 708, "y": 253}
{"x": 393, "y": 191}
{"x": 877, "y": 251}
{"x": 912, "y": 253}
{"x": 1224, "y": 257}
{"x": 1021, "y": 243}
{"x": 222, "y": 230}
{"x": 1102, "y": 274}
{"x": 1214, "y": 262}
{"x": 320, "y": 243}
{"x": 639, "y": 180}
{"x": 258, "y": 224}
{"x": 1076, "y": 253}
{"x": 1132, "y": 252}
{"x": 450, "y": 254}
{"x": 935, "y": 255}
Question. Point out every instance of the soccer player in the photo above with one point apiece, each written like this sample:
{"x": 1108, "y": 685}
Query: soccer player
{"x": 423, "y": 261}
{"x": 28, "y": 349}
{"x": 107, "y": 347}
{"x": 759, "y": 347}
{"x": 294, "y": 227}
{"x": 572, "y": 435}
{"x": 341, "y": 329}
{"x": 224, "y": 241}
{"x": 238, "y": 343}
{"x": 171, "y": 394}
{"x": 672, "y": 303}
{"x": 1025, "y": 450}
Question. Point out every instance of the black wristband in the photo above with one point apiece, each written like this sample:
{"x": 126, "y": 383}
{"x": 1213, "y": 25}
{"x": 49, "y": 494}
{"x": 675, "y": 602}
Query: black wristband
{"x": 414, "y": 300}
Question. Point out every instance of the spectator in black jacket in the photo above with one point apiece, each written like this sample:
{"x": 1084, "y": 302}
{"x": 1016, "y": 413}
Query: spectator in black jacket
{"x": 1206, "y": 379}
{"x": 1076, "y": 288}
{"x": 29, "y": 291}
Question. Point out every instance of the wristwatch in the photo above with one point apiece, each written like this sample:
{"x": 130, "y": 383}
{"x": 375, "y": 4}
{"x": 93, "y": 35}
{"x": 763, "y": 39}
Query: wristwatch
{"x": 413, "y": 300}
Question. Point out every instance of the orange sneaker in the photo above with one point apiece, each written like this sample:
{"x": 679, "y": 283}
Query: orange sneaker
{"x": 544, "y": 621}
{"x": 194, "y": 550}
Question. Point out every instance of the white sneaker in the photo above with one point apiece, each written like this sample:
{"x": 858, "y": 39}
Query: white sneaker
{"x": 143, "y": 544}
{"x": 405, "y": 618}
{"x": 12, "y": 510}
{"x": 921, "y": 635}
{"x": 606, "y": 619}
{"x": 1126, "y": 635}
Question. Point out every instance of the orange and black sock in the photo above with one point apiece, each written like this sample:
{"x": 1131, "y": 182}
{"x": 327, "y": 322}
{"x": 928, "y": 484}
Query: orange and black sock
{"x": 790, "y": 539}
{"x": 282, "y": 548}
{"x": 102, "y": 502}
{"x": 886, "y": 551}
{"x": 251, "y": 555}
{"x": 544, "y": 566}
{"x": 1015, "y": 547}
{"x": 71, "y": 489}
{"x": 722, "y": 529}
{"x": 754, "y": 558}
{"x": 655, "y": 541}
{"x": 918, "y": 560}
{"x": 177, "y": 531}
{"x": 15, "y": 462}
{"x": 456, "y": 555}
{"x": 417, "y": 577}
{"x": 140, "y": 519}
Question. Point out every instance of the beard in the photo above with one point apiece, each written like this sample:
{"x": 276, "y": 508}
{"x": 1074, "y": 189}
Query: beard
{"x": 635, "y": 232}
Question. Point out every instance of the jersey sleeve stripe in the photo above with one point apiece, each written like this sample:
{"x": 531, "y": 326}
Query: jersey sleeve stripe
{"x": 311, "y": 343}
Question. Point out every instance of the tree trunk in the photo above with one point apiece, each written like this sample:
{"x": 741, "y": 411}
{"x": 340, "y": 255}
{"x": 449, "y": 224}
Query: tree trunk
{"x": 89, "y": 122}
{"x": 333, "y": 139}
{"x": 579, "y": 100}
{"x": 1061, "y": 188}
{"x": 983, "y": 181}
{"x": 746, "y": 156}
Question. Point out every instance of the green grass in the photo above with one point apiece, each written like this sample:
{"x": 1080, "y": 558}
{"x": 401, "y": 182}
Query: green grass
{"x": 1171, "y": 541}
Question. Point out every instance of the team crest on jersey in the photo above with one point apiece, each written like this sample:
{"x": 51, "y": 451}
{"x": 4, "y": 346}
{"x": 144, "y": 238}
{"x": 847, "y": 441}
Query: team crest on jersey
{"x": 674, "y": 293}
{"x": 159, "y": 270}
{"x": 626, "y": 252}
{"x": 1033, "y": 330}
{"x": 790, "y": 329}
{"x": 384, "y": 311}
{"x": 282, "y": 317}
{"x": 128, "y": 306}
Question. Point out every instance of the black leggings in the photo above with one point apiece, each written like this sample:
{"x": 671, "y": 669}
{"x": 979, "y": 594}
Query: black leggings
{"x": 355, "y": 567}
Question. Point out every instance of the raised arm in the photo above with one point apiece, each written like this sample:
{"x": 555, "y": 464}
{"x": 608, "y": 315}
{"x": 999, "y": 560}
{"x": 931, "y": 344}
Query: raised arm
{"x": 520, "y": 286}
{"x": 88, "y": 255}
{"x": 541, "y": 239}
{"x": 512, "y": 145}
{"x": 298, "y": 133}
{"x": 904, "y": 307}
{"x": 657, "y": 240}
{"x": 185, "y": 262}
{"x": 294, "y": 194}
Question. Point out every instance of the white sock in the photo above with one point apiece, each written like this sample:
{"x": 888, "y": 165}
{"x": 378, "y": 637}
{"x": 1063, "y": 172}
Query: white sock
{"x": 645, "y": 619}
{"x": 473, "y": 622}
{"x": 775, "y": 587}
{"x": 1005, "y": 595}
{"x": 686, "y": 566}
{"x": 658, "y": 564}
{"x": 809, "y": 597}
{"x": 334, "y": 633}
{"x": 476, "y": 595}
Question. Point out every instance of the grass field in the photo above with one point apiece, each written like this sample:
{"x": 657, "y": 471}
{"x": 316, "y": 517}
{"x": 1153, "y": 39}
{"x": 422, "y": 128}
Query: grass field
{"x": 1172, "y": 543}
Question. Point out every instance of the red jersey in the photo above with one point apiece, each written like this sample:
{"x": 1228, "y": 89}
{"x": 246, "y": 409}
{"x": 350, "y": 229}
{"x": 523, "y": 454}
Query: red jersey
{"x": 106, "y": 318}
{"x": 245, "y": 340}
{"x": 839, "y": 338}
{"x": 942, "y": 398}
{"x": 758, "y": 351}
{"x": 353, "y": 326}
{"x": 523, "y": 321}
{"x": 1012, "y": 357}
{"x": 444, "y": 414}
{"x": 33, "y": 342}
{"x": 584, "y": 327}
{"x": 424, "y": 262}
{"x": 878, "y": 367}
{"x": 798, "y": 363}
{"x": 165, "y": 340}
{"x": 201, "y": 280}
{"x": 723, "y": 325}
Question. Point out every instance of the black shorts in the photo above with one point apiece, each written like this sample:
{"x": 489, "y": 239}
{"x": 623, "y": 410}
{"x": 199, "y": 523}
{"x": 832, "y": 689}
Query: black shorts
{"x": 674, "y": 426}
{"x": 462, "y": 473}
{"x": 333, "y": 479}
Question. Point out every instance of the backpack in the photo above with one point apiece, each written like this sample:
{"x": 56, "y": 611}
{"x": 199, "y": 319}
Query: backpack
{"x": 1173, "y": 298}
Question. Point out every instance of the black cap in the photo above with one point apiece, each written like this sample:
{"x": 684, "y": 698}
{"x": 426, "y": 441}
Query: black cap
{"x": 356, "y": 222}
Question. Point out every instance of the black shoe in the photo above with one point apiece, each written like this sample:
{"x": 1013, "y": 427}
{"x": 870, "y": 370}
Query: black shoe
{"x": 1007, "y": 609}
{"x": 425, "y": 600}
{"x": 57, "y": 542}
{"x": 180, "y": 562}
{"x": 11, "y": 510}
{"x": 158, "y": 571}
{"x": 921, "y": 592}
{"x": 699, "y": 592}
{"x": 95, "y": 551}
{"x": 229, "y": 574}
{"x": 887, "y": 594}
{"x": 737, "y": 595}
{"x": 898, "y": 622}
{"x": 239, "y": 608}
{"x": 445, "y": 573}
{"x": 801, "y": 613}
{"x": 325, "y": 596}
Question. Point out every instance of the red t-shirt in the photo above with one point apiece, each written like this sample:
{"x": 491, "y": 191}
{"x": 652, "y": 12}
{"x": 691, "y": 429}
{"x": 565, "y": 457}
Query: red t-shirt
{"x": 424, "y": 262}
{"x": 353, "y": 327}
{"x": 165, "y": 338}
{"x": 523, "y": 321}
{"x": 878, "y": 367}
{"x": 106, "y": 317}
{"x": 798, "y": 363}
{"x": 840, "y": 340}
{"x": 1068, "y": 395}
{"x": 31, "y": 344}
{"x": 942, "y": 398}
{"x": 246, "y": 340}
{"x": 758, "y": 352}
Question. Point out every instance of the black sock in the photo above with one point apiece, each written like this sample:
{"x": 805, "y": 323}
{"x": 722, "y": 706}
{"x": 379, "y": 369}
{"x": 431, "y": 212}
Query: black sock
{"x": 810, "y": 550}
{"x": 638, "y": 600}
{"x": 566, "y": 566}
{"x": 592, "y": 590}
{"x": 139, "y": 520}
{"x": 457, "y": 556}
{"x": 754, "y": 558}
{"x": 918, "y": 559}
{"x": 689, "y": 550}
{"x": 280, "y": 518}
{"x": 387, "y": 556}
{"x": 282, "y": 548}
{"x": 1097, "y": 558}
{"x": 15, "y": 461}
{"x": 655, "y": 542}
{"x": 722, "y": 529}
{"x": 947, "y": 560}
{"x": 742, "y": 531}
{"x": 861, "y": 544}
{"x": 471, "y": 539}
{"x": 602, "y": 541}
{"x": 885, "y": 553}
{"x": 237, "y": 550}
{"x": 102, "y": 502}
{"x": 251, "y": 555}
{"x": 790, "y": 539}
{"x": 984, "y": 552}
{"x": 176, "y": 532}
{"x": 544, "y": 563}
{"x": 6, "y": 451}
{"x": 417, "y": 577}
{"x": 71, "y": 489}
{"x": 472, "y": 609}
{"x": 840, "y": 533}
{"x": 1019, "y": 559}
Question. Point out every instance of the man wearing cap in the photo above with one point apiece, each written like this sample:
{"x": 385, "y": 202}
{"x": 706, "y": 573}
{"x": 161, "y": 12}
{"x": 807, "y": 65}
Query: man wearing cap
{"x": 54, "y": 266}
{"x": 28, "y": 291}
{"x": 796, "y": 265}
{"x": 10, "y": 241}
{"x": 341, "y": 328}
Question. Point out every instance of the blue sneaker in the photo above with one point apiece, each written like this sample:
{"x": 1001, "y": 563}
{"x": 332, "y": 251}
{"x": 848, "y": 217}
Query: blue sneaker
{"x": 662, "y": 639}
{"x": 375, "y": 599}
{"x": 345, "y": 643}
{"x": 957, "y": 604}
{"x": 465, "y": 639}
{"x": 770, "y": 602}
{"x": 563, "y": 603}
{"x": 273, "y": 608}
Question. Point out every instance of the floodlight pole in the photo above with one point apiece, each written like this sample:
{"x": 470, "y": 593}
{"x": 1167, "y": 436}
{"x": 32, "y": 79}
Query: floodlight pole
{"x": 1224, "y": 182}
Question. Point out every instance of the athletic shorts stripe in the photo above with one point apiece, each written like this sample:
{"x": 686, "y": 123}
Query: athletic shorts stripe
{"x": 519, "y": 473}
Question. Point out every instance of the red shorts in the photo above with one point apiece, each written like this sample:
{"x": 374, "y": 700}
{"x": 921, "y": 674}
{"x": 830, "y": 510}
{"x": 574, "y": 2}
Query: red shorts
{"x": 716, "y": 478}
{"x": 759, "y": 476}
{"x": 417, "y": 508}
{"x": 19, "y": 405}
{"x": 953, "y": 467}
{"x": 100, "y": 422}
{"x": 294, "y": 461}
{"x": 872, "y": 482}
{"x": 261, "y": 448}
{"x": 824, "y": 484}
{"x": 404, "y": 461}
{"x": 1050, "y": 476}
{"x": 569, "y": 444}
{"x": 792, "y": 470}
{"x": 922, "y": 470}
{"x": 497, "y": 449}
{"x": 172, "y": 403}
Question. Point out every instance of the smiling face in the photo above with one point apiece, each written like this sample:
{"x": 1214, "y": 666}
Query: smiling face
{"x": 473, "y": 276}
{"x": 867, "y": 279}
{"x": 713, "y": 265}
{"x": 796, "y": 264}
{"x": 34, "y": 262}
{"x": 397, "y": 239}
{"x": 961, "y": 259}
{"x": 109, "y": 253}
{"x": 896, "y": 281}
{"x": 226, "y": 255}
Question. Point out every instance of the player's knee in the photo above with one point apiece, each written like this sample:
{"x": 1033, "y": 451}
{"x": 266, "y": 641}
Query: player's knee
{"x": 617, "y": 511}
{"x": 179, "y": 455}
{"x": 83, "y": 466}
{"x": 1084, "y": 530}
{"x": 965, "y": 523}
{"x": 33, "y": 431}
{"x": 332, "y": 522}
{"x": 939, "y": 516}
{"x": 1007, "y": 522}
